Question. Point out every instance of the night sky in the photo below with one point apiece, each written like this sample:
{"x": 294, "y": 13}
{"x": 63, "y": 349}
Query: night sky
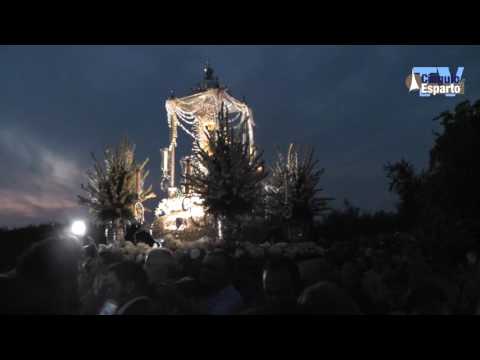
{"x": 59, "y": 103}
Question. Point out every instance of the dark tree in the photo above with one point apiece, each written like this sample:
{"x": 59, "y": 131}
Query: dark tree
{"x": 454, "y": 163}
{"x": 443, "y": 201}
{"x": 293, "y": 191}
{"x": 408, "y": 186}
{"x": 227, "y": 175}
{"x": 115, "y": 188}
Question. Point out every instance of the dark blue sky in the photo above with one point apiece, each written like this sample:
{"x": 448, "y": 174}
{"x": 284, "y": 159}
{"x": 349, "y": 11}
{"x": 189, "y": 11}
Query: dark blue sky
{"x": 59, "y": 103}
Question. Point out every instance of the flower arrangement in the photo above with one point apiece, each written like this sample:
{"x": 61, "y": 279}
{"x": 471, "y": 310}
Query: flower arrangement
{"x": 126, "y": 251}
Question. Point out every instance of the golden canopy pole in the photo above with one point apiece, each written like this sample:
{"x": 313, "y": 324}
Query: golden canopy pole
{"x": 173, "y": 144}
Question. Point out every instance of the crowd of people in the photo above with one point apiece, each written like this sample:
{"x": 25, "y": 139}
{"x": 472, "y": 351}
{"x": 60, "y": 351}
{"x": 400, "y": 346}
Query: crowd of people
{"x": 58, "y": 276}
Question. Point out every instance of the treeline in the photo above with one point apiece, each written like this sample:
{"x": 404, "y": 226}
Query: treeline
{"x": 441, "y": 203}
{"x": 349, "y": 222}
{"x": 438, "y": 205}
{"x": 14, "y": 241}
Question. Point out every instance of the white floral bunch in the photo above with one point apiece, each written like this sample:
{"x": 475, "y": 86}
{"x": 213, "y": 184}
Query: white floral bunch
{"x": 137, "y": 253}
{"x": 127, "y": 251}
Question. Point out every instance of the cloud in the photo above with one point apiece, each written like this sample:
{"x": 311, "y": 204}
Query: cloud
{"x": 32, "y": 205}
{"x": 38, "y": 182}
{"x": 350, "y": 102}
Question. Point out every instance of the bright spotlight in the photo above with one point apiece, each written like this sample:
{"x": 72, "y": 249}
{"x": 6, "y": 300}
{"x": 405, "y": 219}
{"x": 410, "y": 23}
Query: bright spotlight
{"x": 78, "y": 228}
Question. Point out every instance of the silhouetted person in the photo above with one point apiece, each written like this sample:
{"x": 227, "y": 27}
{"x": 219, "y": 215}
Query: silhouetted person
{"x": 192, "y": 262}
{"x": 281, "y": 287}
{"x": 427, "y": 299}
{"x": 248, "y": 281}
{"x": 179, "y": 222}
{"x": 8, "y": 301}
{"x": 315, "y": 270}
{"x": 375, "y": 291}
{"x": 126, "y": 290}
{"x": 47, "y": 277}
{"x": 162, "y": 267}
{"x": 137, "y": 234}
{"x": 217, "y": 295}
{"x": 351, "y": 282}
{"x": 326, "y": 298}
{"x": 94, "y": 270}
{"x": 470, "y": 283}
{"x": 131, "y": 230}
{"x": 163, "y": 271}
{"x": 89, "y": 267}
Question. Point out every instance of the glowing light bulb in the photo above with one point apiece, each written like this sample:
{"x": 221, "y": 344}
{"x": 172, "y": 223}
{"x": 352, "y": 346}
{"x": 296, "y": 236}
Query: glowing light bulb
{"x": 78, "y": 228}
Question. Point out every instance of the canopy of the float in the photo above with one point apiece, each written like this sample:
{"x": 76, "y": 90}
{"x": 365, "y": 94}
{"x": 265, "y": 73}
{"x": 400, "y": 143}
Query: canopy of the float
{"x": 191, "y": 111}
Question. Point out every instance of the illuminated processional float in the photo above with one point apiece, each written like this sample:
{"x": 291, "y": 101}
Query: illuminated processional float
{"x": 196, "y": 115}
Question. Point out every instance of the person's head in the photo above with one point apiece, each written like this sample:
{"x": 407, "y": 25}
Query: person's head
{"x": 313, "y": 271}
{"x": 90, "y": 251}
{"x": 471, "y": 257}
{"x": 161, "y": 266}
{"x": 124, "y": 280}
{"x": 48, "y": 271}
{"x": 281, "y": 281}
{"x": 8, "y": 299}
{"x": 378, "y": 263}
{"x": 217, "y": 270}
{"x": 326, "y": 298}
{"x": 427, "y": 299}
{"x": 144, "y": 237}
{"x": 110, "y": 256}
{"x": 89, "y": 268}
{"x": 179, "y": 222}
{"x": 350, "y": 275}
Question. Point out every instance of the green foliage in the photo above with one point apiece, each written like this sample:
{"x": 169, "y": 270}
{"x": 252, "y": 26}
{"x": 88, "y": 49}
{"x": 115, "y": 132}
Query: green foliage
{"x": 111, "y": 190}
{"x": 144, "y": 194}
{"x": 226, "y": 175}
{"x": 443, "y": 201}
{"x": 292, "y": 190}
{"x": 348, "y": 223}
{"x": 15, "y": 241}
{"x": 408, "y": 185}
{"x": 454, "y": 162}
